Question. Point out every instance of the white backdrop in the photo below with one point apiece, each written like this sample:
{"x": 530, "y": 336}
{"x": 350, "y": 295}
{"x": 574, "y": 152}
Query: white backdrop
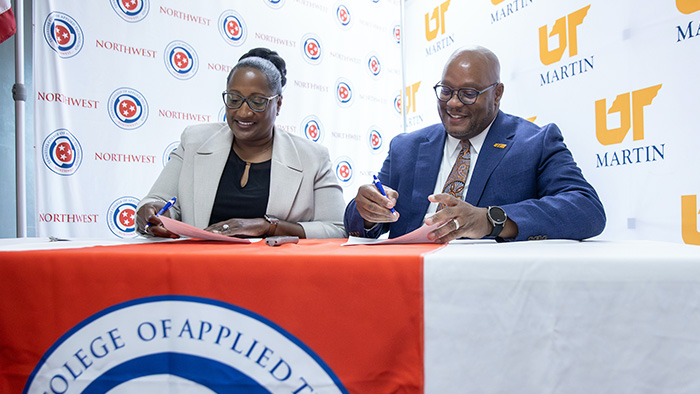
{"x": 616, "y": 76}
{"x": 110, "y": 103}
{"x": 567, "y": 62}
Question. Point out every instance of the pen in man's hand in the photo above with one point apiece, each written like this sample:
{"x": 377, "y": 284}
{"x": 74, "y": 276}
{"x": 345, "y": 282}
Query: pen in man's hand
{"x": 162, "y": 211}
{"x": 379, "y": 187}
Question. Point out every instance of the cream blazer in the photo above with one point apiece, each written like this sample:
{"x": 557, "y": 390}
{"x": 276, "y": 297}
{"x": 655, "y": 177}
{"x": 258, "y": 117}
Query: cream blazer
{"x": 303, "y": 188}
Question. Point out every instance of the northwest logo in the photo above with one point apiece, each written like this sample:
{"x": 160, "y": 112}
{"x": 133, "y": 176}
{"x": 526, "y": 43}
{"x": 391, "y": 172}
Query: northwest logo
{"x": 180, "y": 344}
{"x": 127, "y": 108}
{"x": 374, "y": 66}
{"x": 343, "y": 168}
{"x": 396, "y": 32}
{"x": 343, "y": 92}
{"x": 313, "y": 128}
{"x": 181, "y": 60}
{"x": 397, "y": 103}
{"x": 276, "y": 4}
{"x": 565, "y": 34}
{"x": 311, "y": 48}
{"x": 343, "y": 16}
{"x": 63, "y": 34}
{"x": 168, "y": 151}
{"x": 121, "y": 217}
{"x": 374, "y": 139}
{"x": 232, "y": 28}
{"x": 435, "y": 24}
{"x": 689, "y": 220}
{"x": 62, "y": 152}
{"x": 131, "y": 10}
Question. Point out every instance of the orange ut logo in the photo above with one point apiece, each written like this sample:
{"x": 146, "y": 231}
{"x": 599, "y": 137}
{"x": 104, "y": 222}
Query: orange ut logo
{"x": 689, "y": 220}
{"x": 688, "y": 6}
{"x": 622, "y": 104}
{"x": 439, "y": 18}
{"x": 411, "y": 96}
{"x": 560, "y": 28}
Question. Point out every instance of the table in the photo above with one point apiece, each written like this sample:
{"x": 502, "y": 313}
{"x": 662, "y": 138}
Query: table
{"x": 530, "y": 317}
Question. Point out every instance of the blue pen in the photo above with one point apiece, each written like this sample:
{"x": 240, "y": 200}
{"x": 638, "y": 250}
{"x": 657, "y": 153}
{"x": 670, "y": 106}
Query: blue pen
{"x": 162, "y": 211}
{"x": 379, "y": 187}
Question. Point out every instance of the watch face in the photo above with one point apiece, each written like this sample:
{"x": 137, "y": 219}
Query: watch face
{"x": 497, "y": 214}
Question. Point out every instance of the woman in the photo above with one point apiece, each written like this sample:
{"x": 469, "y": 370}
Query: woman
{"x": 247, "y": 178}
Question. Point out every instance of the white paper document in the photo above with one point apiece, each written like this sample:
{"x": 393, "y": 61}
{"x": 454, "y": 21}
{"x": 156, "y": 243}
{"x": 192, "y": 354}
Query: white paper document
{"x": 417, "y": 236}
{"x": 186, "y": 230}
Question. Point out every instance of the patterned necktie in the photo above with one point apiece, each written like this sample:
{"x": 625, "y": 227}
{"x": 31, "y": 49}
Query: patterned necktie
{"x": 458, "y": 176}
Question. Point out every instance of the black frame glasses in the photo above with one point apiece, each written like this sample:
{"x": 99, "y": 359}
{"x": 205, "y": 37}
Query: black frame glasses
{"x": 255, "y": 103}
{"x": 466, "y": 96}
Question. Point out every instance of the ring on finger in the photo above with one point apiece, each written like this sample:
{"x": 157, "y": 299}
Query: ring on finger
{"x": 224, "y": 227}
{"x": 456, "y": 224}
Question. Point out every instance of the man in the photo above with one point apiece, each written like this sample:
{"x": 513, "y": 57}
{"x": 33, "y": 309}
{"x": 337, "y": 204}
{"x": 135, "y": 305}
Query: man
{"x": 481, "y": 173}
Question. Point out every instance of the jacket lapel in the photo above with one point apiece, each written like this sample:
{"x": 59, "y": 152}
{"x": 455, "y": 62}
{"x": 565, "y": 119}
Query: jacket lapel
{"x": 285, "y": 175}
{"x": 209, "y": 161}
{"x": 496, "y": 145}
{"x": 427, "y": 168}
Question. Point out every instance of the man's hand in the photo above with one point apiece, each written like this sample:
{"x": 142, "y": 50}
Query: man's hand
{"x": 375, "y": 208}
{"x": 457, "y": 220}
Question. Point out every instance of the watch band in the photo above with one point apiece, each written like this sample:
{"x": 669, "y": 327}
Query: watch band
{"x": 273, "y": 224}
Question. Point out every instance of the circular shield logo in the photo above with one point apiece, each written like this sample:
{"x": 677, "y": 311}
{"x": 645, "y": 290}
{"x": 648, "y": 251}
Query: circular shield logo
{"x": 127, "y": 108}
{"x": 276, "y": 4}
{"x": 343, "y": 92}
{"x": 168, "y": 150}
{"x": 121, "y": 217}
{"x": 342, "y": 16}
{"x": 131, "y": 10}
{"x": 374, "y": 139}
{"x": 232, "y": 28}
{"x": 397, "y": 103}
{"x": 62, "y": 152}
{"x": 63, "y": 34}
{"x": 180, "y": 344}
{"x": 312, "y": 128}
{"x": 343, "y": 169}
{"x": 374, "y": 66}
{"x": 312, "y": 48}
{"x": 181, "y": 60}
{"x": 397, "y": 34}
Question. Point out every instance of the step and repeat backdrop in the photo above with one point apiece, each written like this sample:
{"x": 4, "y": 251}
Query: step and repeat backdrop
{"x": 117, "y": 81}
{"x": 616, "y": 76}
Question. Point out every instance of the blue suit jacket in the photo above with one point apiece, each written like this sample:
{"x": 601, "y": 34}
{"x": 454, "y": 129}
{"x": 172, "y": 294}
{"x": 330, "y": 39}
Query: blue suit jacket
{"x": 523, "y": 168}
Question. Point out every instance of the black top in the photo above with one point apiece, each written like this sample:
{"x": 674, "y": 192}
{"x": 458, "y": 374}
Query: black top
{"x": 234, "y": 201}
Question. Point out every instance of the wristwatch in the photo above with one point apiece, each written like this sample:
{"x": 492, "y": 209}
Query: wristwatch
{"x": 497, "y": 216}
{"x": 273, "y": 224}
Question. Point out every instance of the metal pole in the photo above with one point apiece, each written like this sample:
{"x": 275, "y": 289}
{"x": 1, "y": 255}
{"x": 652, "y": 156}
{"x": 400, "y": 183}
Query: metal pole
{"x": 19, "y": 94}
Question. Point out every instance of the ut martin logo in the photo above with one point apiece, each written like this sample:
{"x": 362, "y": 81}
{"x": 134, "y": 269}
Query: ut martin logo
{"x": 121, "y": 217}
{"x": 63, "y": 34}
{"x": 343, "y": 92}
{"x": 312, "y": 48}
{"x": 181, "y": 60}
{"x": 313, "y": 128}
{"x": 180, "y": 344}
{"x": 127, "y": 108}
{"x": 62, "y": 152}
{"x": 232, "y": 28}
{"x": 343, "y": 168}
{"x": 131, "y": 10}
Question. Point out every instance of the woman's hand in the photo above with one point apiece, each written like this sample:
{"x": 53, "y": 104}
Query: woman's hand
{"x": 257, "y": 227}
{"x": 149, "y": 224}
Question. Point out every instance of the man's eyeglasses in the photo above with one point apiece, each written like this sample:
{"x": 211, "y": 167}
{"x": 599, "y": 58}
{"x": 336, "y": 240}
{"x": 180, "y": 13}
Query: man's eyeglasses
{"x": 466, "y": 95}
{"x": 256, "y": 103}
